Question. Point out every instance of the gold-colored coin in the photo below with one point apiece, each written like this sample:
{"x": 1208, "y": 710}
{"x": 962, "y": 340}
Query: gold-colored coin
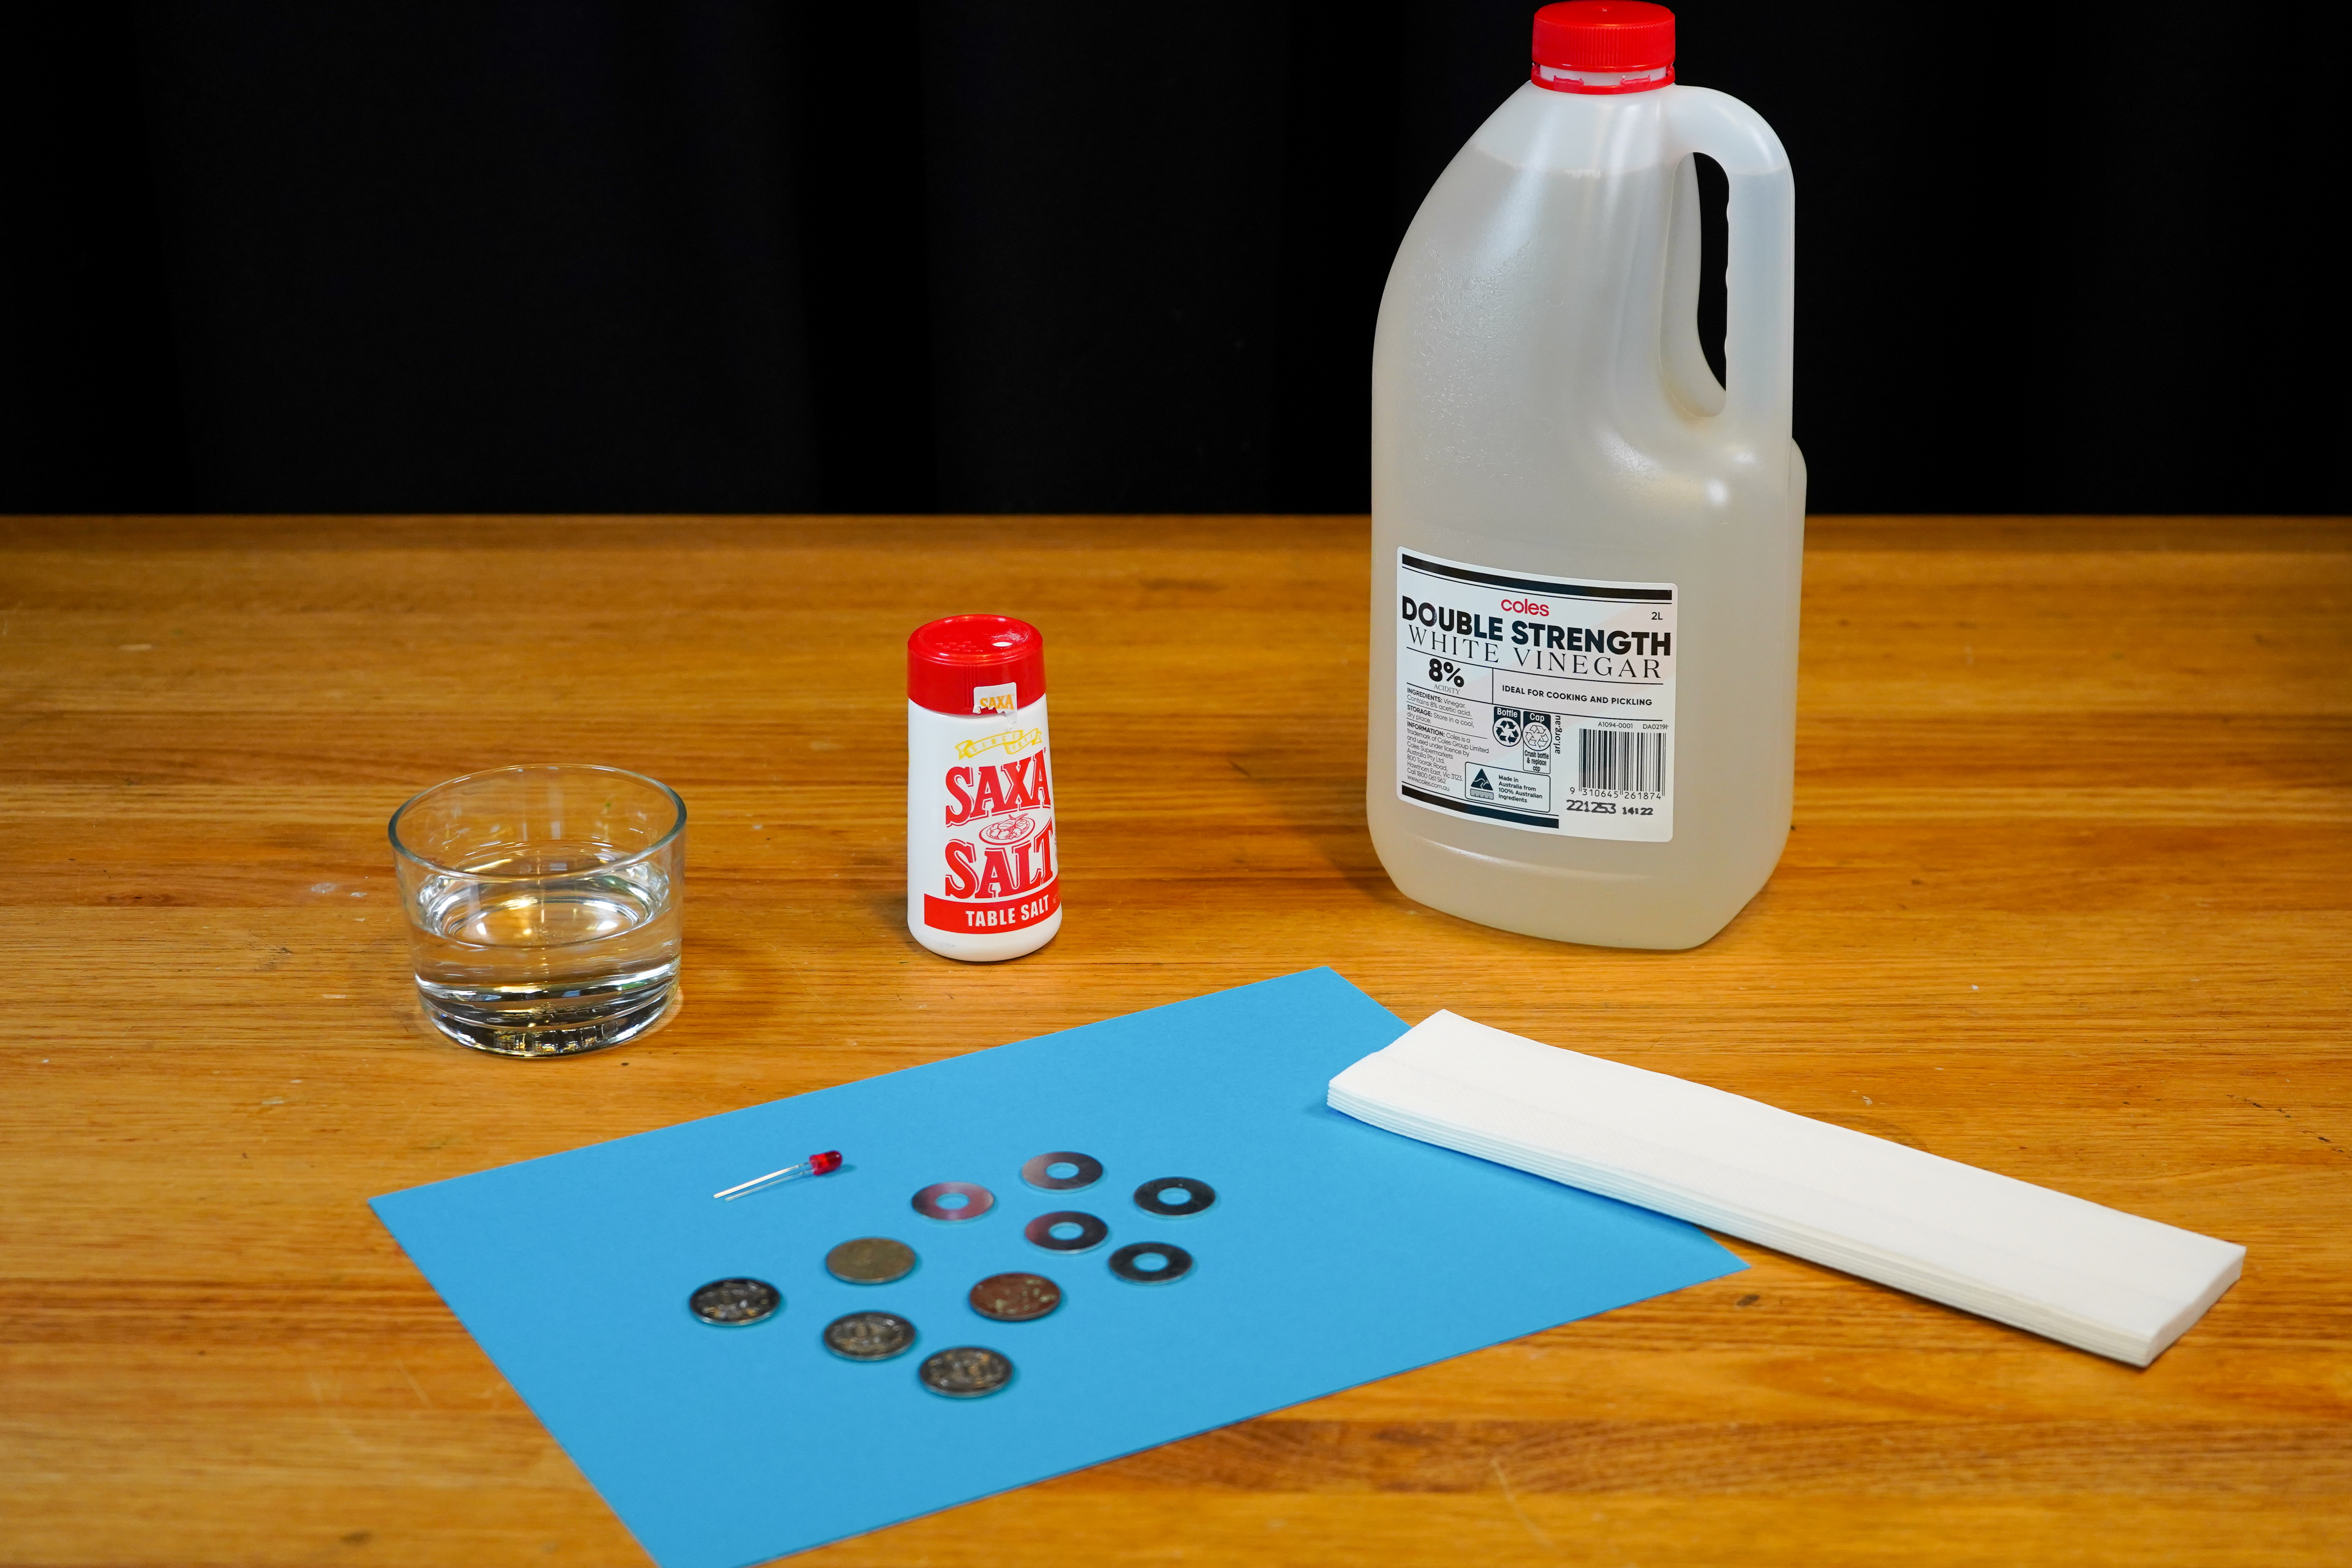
{"x": 870, "y": 1260}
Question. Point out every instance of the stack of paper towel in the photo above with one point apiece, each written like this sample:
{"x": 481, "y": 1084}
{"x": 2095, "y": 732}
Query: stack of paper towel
{"x": 2081, "y": 1273}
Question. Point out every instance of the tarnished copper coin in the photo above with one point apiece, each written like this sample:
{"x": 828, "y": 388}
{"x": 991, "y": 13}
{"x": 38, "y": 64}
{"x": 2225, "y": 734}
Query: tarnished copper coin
{"x": 967, "y": 1372}
{"x": 869, "y": 1336}
{"x": 1015, "y": 1298}
{"x": 870, "y": 1260}
{"x": 735, "y": 1304}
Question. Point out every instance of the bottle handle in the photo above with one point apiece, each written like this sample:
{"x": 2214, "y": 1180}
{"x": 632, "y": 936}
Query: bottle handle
{"x": 1760, "y": 279}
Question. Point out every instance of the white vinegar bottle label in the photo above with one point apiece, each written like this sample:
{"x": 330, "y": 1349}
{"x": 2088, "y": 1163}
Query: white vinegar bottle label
{"x": 1545, "y": 704}
{"x": 979, "y": 819}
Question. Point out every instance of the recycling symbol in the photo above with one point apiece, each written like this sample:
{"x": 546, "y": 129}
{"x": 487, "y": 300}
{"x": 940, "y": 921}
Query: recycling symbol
{"x": 1506, "y": 728}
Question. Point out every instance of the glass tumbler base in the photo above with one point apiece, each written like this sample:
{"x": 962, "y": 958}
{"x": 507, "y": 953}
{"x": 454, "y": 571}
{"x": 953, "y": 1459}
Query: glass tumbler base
{"x": 552, "y": 1030}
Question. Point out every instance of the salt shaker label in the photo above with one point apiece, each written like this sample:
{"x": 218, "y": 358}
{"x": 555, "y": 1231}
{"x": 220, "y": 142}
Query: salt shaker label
{"x": 991, "y": 810}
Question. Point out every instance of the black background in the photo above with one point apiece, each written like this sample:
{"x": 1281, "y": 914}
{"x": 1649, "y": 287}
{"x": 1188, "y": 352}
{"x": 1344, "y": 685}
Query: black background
{"x": 566, "y": 255}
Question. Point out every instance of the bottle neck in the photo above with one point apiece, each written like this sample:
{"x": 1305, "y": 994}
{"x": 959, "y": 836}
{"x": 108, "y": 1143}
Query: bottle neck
{"x": 1562, "y": 78}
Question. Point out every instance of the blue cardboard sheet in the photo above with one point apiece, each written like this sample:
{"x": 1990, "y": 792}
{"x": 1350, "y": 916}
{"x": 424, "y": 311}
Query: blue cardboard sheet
{"x": 1335, "y": 1254}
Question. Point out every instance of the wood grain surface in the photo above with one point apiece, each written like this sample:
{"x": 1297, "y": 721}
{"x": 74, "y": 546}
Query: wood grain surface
{"x": 2067, "y": 898}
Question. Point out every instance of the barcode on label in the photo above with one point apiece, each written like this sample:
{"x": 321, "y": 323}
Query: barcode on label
{"x": 1624, "y": 760}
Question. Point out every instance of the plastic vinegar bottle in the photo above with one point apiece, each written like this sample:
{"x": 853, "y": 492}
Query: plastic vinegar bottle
{"x": 1586, "y": 551}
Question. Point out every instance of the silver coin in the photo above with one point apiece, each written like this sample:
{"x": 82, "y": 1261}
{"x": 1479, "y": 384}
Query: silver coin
{"x": 972, "y": 1201}
{"x": 870, "y": 1260}
{"x": 869, "y": 1336}
{"x": 966, "y": 1372}
{"x": 735, "y": 1304}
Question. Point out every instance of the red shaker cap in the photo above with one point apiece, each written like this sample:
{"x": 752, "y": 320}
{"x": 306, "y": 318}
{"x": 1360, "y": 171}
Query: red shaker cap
{"x": 951, "y": 664}
{"x": 1603, "y": 46}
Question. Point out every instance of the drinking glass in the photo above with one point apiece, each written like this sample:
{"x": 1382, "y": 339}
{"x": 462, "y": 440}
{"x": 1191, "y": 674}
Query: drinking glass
{"x": 543, "y": 906}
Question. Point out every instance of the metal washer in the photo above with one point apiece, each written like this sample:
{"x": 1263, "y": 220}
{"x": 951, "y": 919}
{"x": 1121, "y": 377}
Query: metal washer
{"x": 1198, "y": 1196}
{"x": 1122, "y": 1263}
{"x": 927, "y": 1201}
{"x": 1038, "y": 1173}
{"x": 1092, "y": 1232}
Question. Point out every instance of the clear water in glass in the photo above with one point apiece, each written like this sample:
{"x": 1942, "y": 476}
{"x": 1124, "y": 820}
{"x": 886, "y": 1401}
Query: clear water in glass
{"x": 544, "y": 909}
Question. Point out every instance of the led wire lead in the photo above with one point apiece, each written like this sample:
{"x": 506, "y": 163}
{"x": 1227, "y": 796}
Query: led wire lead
{"x": 814, "y": 1165}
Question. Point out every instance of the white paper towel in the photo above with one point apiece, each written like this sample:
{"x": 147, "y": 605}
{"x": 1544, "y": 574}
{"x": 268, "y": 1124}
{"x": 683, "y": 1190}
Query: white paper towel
{"x": 2079, "y": 1272}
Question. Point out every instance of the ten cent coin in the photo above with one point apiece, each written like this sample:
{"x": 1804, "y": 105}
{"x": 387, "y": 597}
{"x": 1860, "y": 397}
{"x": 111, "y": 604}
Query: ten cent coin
{"x": 735, "y": 1304}
{"x": 870, "y": 1260}
{"x": 869, "y": 1336}
{"x": 1015, "y": 1298}
{"x": 966, "y": 1372}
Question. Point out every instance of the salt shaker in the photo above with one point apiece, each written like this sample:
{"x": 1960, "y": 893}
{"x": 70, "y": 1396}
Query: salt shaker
{"x": 982, "y": 863}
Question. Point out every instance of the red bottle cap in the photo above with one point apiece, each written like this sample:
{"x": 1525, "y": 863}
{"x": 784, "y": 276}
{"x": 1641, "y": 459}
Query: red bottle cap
{"x": 975, "y": 664}
{"x": 1603, "y": 46}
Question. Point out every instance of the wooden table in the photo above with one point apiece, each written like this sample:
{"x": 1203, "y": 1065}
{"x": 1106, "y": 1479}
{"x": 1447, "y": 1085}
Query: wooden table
{"x": 2067, "y": 898}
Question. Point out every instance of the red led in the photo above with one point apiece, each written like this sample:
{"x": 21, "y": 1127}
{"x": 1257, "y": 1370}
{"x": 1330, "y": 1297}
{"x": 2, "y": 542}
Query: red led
{"x": 814, "y": 1165}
